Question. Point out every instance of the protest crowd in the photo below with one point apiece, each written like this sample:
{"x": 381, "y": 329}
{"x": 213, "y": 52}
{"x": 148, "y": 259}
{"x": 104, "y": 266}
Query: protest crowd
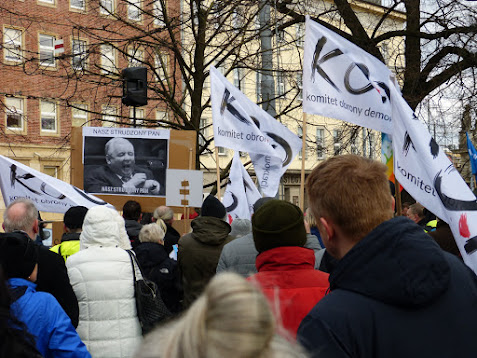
{"x": 349, "y": 278}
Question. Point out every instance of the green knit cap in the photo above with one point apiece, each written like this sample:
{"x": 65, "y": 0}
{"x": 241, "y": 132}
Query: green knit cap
{"x": 278, "y": 223}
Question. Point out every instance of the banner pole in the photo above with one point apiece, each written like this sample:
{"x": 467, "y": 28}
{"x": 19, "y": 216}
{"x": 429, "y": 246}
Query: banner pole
{"x": 303, "y": 156}
{"x": 218, "y": 172}
{"x": 397, "y": 194}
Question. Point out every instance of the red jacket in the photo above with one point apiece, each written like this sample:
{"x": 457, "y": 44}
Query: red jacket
{"x": 287, "y": 277}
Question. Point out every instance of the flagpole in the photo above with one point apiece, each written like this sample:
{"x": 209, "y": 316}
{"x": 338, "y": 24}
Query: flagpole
{"x": 397, "y": 194}
{"x": 303, "y": 155}
{"x": 218, "y": 171}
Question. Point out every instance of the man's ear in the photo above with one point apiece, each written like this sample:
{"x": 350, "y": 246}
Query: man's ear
{"x": 328, "y": 228}
{"x": 36, "y": 227}
{"x": 108, "y": 159}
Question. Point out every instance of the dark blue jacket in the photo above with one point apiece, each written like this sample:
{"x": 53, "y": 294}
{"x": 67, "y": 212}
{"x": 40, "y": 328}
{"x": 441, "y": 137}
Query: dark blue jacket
{"x": 395, "y": 294}
{"x": 44, "y": 318}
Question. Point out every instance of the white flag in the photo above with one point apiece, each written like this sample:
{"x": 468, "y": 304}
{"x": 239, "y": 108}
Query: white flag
{"x": 426, "y": 173}
{"x": 49, "y": 194}
{"x": 241, "y": 193}
{"x": 342, "y": 81}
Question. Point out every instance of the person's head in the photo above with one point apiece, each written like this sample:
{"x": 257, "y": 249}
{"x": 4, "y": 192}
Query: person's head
{"x": 120, "y": 156}
{"x": 213, "y": 207}
{"x": 240, "y": 227}
{"x": 152, "y": 233}
{"x": 230, "y": 319}
{"x": 278, "y": 223}
{"x": 415, "y": 212}
{"x": 18, "y": 256}
{"x": 74, "y": 218}
{"x": 165, "y": 213}
{"x": 21, "y": 215}
{"x": 404, "y": 208}
{"x": 349, "y": 196}
{"x": 258, "y": 204}
{"x": 132, "y": 210}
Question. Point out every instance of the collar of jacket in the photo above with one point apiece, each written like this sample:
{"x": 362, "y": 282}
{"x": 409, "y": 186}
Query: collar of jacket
{"x": 286, "y": 258}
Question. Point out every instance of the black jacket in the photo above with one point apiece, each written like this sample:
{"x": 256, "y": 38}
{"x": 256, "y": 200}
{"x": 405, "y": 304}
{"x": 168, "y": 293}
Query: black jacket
{"x": 158, "y": 267}
{"x": 395, "y": 294}
{"x": 172, "y": 238}
{"x": 133, "y": 228}
{"x": 53, "y": 278}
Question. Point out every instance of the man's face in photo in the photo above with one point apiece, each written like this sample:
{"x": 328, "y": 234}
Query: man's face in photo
{"x": 120, "y": 157}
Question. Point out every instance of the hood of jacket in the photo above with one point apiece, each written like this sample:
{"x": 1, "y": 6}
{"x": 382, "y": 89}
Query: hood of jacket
{"x": 286, "y": 258}
{"x": 209, "y": 230}
{"x": 132, "y": 227}
{"x": 396, "y": 263}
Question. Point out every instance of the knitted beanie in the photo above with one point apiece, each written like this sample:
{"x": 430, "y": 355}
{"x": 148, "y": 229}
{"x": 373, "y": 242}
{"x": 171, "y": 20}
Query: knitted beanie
{"x": 74, "y": 217}
{"x": 17, "y": 254}
{"x": 240, "y": 227}
{"x": 212, "y": 207}
{"x": 278, "y": 223}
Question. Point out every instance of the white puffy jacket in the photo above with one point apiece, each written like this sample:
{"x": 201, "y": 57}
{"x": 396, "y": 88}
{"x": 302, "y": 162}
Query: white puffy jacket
{"x": 102, "y": 278}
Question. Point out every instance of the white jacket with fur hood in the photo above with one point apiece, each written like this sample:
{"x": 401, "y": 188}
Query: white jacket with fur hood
{"x": 102, "y": 278}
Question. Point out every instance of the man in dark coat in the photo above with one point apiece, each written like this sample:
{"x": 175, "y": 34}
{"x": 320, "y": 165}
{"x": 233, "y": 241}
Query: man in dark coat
{"x": 22, "y": 215}
{"x": 199, "y": 251}
{"x": 394, "y": 292}
{"x": 132, "y": 213}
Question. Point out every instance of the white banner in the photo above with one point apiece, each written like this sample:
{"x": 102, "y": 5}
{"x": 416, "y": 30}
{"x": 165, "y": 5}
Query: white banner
{"x": 49, "y": 194}
{"x": 426, "y": 173}
{"x": 241, "y": 192}
{"x": 342, "y": 81}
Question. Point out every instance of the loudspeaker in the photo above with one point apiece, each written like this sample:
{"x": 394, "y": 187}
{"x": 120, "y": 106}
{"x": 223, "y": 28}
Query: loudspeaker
{"x": 134, "y": 86}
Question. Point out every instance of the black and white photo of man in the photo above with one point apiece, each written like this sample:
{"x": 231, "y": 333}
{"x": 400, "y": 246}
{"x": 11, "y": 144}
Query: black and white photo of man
{"x": 121, "y": 175}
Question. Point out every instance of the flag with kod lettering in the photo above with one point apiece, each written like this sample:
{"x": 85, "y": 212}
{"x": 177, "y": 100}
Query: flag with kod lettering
{"x": 425, "y": 171}
{"x": 241, "y": 192}
{"x": 47, "y": 193}
{"x": 342, "y": 81}
{"x": 242, "y": 125}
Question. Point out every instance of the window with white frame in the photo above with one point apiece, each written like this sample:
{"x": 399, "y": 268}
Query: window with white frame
{"x": 51, "y": 170}
{"x": 47, "y": 50}
{"x": 78, "y": 60}
{"x": 79, "y": 114}
{"x": 299, "y": 84}
{"x": 51, "y": 2}
{"x": 258, "y": 80}
{"x": 300, "y": 34}
{"x": 238, "y": 78}
{"x": 135, "y": 57}
{"x": 320, "y": 143}
{"x": 49, "y": 116}
{"x": 134, "y": 10}
{"x": 12, "y": 44}
{"x": 106, "y": 7}
{"x": 158, "y": 12}
{"x": 108, "y": 59}
{"x": 139, "y": 115}
{"x": 161, "y": 62}
{"x": 109, "y": 116}
{"x": 280, "y": 84}
{"x": 222, "y": 151}
{"x": 337, "y": 145}
{"x": 14, "y": 113}
{"x": 78, "y": 4}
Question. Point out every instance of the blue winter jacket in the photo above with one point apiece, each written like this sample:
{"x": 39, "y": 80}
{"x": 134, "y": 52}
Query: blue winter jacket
{"x": 44, "y": 318}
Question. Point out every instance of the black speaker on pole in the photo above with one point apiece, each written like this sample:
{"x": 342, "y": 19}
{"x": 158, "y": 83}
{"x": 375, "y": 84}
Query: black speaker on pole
{"x": 134, "y": 86}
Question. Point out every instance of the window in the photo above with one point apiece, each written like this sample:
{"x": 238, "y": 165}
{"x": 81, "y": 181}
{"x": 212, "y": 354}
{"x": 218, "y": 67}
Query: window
{"x": 238, "y": 20}
{"x": 139, "y": 116}
{"x": 47, "y": 50}
{"x": 222, "y": 151}
{"x": 134, "y": 10}
{"x": 162, "y": 116}
{"x": 78, "y": 4}
{"x": 161, "y": 63}
{"x": 52, "y": 2}
{"x": 135, "y": 57}
{"x": 238, "y": 78}
{"x": 337, "y": 141}
{"x": 108, "y": 59}
{"x": 14, "y": 113}
{"x": 12, "y": 44}
{"x": 79, "y": 114}
{"x": 300, "y": 134}
{"x": 78, "y": 61}
{"x": 202, "y": 131}
{"x": 51, "y": 170}
{"x": 109, "y": 116}
{"x": 354, "y": 143}
{"x": 280, "y": 84}
{"x": 280, "y": 33}
{"x": 258, "y": 80}
{"x": 299, "y": 84}
{"x": 106, "y": 7}
{"x": 48, "y": 116}
{"x": 300, "y": 34}
{"x": 158, "y": 13}
{"x": 320, "y": 143}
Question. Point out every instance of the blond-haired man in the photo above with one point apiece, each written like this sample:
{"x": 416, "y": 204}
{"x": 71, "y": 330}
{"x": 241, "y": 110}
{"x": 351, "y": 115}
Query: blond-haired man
{"x": 394, "y": 292}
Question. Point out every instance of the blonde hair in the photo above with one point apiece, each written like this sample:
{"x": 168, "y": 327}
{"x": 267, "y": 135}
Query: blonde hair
{"x": 230, "y": 319}
{"x": 353, "y": 192}
{"x": 152, "y": 233}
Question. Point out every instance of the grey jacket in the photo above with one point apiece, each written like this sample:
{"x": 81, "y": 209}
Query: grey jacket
{"x": 239, "y": 255}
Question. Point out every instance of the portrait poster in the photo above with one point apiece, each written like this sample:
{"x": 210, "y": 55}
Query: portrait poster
{"x": 125, "y": 161}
